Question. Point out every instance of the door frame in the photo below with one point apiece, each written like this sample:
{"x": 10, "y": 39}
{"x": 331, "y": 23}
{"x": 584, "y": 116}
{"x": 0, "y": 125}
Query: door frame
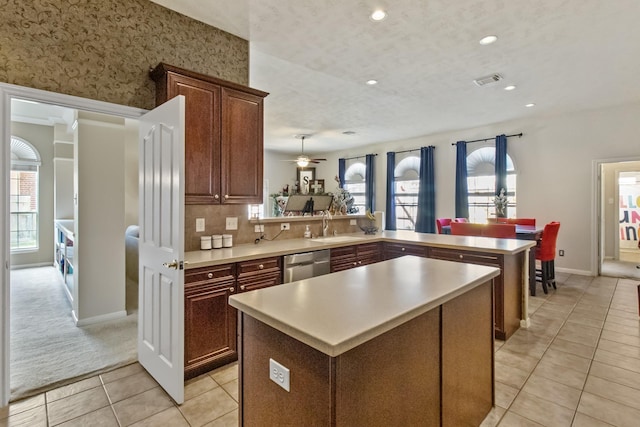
{"x": 7, "y": 92}
{"x": 597, "y": 216}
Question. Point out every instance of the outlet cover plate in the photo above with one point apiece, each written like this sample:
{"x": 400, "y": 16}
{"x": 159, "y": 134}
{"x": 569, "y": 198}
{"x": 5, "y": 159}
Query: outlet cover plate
{"x": 279, "y": 374}
{"x": 232, "y": 223}
{"x": 258, "y": 228}
{"x": 199, "y": 225}
{"x": 285, "y": 226}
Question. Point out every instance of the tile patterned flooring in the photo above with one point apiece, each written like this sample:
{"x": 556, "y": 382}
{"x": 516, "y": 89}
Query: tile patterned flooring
{"x": 577, "y": 365}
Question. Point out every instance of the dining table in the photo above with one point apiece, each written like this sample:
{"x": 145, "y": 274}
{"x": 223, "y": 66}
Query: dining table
{"x": 523, "y": 232}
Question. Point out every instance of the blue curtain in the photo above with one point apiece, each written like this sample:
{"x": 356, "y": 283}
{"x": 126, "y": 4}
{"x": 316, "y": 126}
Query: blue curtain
{"x": 369, "y": 190}
{"x": 501, "y": 166}
{"x": 390, "y": 214}
{"x": 501, "y": 163}
{"x": 426, "y": 218}
{"x": 462, "y": 192}
{"x": 341, "y": 169}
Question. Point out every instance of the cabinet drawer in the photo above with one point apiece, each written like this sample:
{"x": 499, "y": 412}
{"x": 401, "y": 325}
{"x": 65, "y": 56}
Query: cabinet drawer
{"x": 368, "y": 249}
{"x": 466, "y": 256}
{"x": 395, "y": 250}
{"x": 206, "y": 274}
{"x": 259, "y": 281}
{"x": 259, "y": 266}
{"x": 343, "y": 252}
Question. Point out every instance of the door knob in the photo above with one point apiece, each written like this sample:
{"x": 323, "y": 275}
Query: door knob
{"x": 173, "y": 264}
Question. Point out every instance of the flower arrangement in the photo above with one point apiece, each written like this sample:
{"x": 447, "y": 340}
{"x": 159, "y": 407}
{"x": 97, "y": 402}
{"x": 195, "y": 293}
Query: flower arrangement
{"x": 500, "y": 201}
{"x": 342, "y": 200}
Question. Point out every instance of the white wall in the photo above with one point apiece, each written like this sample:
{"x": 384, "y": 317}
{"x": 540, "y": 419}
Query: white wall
{"x": 131, "y": 172}
{"x": 100, "y": 218}
{"x": 554, "y": 160}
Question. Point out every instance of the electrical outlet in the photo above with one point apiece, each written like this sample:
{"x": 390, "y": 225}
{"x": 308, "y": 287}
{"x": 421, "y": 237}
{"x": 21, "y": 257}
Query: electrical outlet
{"x": 232, "y": 223}
{"x": 353, "y": 222}
{"x": 561, "y": 252}
{"x": 258, "y": 228}
{"x": 285, "y": 226}
{"x": 279, "y": 374}
{"x": 199, "y": 225}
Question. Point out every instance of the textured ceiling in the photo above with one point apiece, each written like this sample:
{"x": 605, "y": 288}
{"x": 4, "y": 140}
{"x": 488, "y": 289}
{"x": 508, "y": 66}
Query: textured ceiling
{"x": 314, "y": 58}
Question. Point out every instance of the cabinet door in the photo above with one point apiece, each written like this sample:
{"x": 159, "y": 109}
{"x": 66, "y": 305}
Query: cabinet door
{"x": 368, "y": 253}
{"x": 242, "y": 147}
{"x": 202, "y": 137}
{"x": 343, "y": 258}
{"x": 210, "y": 327}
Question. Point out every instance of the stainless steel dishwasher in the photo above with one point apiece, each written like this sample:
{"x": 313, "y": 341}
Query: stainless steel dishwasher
{"x": 305, "y": 265}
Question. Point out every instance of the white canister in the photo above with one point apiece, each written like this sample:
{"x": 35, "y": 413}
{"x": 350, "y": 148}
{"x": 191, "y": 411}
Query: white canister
{"x": 227, "y": 240}
{"x": 217, "y": 241}
{"x": 205, "y": 242}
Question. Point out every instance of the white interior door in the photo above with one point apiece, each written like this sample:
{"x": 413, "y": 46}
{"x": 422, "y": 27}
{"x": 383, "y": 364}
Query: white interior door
{"x": 161, "y": 274}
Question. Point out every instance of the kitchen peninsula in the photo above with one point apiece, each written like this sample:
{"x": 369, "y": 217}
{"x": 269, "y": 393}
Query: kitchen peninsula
{"x": 346, "y": 343}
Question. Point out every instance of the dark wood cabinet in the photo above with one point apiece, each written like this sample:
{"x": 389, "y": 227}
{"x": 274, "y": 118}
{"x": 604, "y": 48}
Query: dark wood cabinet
{"x": 223, "y": 136}
{"x": 507, "y": 286}
{"x": 210, "y": 322}
{"x": 347, "y": 257}
{"x": 260, "y": 273}
{"x": 396, "y": 250}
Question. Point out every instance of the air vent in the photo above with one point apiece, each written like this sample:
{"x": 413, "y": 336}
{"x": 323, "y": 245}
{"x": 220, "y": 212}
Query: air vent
{"x": 493, "y": 78}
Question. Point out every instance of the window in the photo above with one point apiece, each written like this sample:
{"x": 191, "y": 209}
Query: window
{"x": 23, "y": 195}
{"x": 481, "y": 182}
{"x": 354, "y": 183}
{"x": 407, "y": 184}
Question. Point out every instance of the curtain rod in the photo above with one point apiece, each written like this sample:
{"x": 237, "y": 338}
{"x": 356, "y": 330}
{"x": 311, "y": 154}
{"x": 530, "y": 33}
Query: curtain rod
{"x": 519, "y": 135}
{"x": 413, "y": 149}
{"x": 358, "y": 157}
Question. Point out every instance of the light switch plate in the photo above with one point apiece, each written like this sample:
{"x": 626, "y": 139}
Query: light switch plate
{"x": 279, "y": 374}
{"x": 232, "y": 223}
{"x": 258, "y": 228}
{"x": 199, "y": 225}
{"x": 353, "y": 222}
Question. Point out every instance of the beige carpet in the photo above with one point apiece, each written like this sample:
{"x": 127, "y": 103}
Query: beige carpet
{"x": 47, "y": 349}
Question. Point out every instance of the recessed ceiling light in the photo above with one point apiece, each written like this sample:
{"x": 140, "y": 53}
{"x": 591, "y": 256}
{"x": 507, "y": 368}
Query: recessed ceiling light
{"x": 510, "y": 87}
{"x": 378, "y": 15}
{"x": 530, "y": 105}
{"x": 372, "y": 82}
{"x": 488, "y": 40}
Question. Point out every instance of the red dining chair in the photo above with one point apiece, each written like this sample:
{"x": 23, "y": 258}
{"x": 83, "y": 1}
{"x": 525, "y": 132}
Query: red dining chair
{"x": 440, "y": 222}
{"x": 500, "y": 231}
{"x": 466, "y": 229}
{"x": 546, "y": 254}
{"x": 522, "y": 221}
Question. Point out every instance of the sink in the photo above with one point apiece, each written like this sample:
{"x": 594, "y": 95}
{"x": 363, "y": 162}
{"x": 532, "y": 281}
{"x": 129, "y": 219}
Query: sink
{"x": 335, "y": 239}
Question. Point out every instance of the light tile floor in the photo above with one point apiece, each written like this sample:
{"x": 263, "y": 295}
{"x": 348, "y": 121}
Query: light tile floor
{"x": 577, "y": 365}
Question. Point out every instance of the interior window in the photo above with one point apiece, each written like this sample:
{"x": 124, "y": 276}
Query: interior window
{"x": 481, "y": 183}
{"x": 407, "y": 184}
{"x": 23, "y": 195}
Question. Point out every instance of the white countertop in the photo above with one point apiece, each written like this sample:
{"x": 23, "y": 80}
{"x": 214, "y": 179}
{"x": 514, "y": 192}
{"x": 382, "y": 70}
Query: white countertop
{"x": 195, "y": 259}
{"x": 337, "y": 312}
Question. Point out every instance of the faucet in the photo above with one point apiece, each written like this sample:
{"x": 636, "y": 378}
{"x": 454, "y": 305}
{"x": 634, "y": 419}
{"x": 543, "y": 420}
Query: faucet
{"x": 326, "y": 217}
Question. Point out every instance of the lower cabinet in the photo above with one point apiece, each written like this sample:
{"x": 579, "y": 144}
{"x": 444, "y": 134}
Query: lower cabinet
{"x": 210, "y": 322}
{"x": 396, "y": 250}
{"x": 210, "y": 336}
{"x": 348, "y": 257}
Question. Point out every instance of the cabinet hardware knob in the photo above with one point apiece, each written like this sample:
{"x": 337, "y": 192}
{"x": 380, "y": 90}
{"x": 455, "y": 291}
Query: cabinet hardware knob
{"x": 403, "y": 249}
{"x": 210, "y": 275}
{"x": 461, "y": 256}
{"x": 260, "y": 267}
{"x": 232, "y": 289}
{"x": 359, "y": 262}
{"x": 226, "y": 196}
{"x": 243, "y": 287}
{"x": 215, "y": 196}
{"x": 355, "y": 263}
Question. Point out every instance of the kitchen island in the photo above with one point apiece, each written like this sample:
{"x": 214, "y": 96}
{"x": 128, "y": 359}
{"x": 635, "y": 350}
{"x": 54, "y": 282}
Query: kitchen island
{"x": 407, "y": 341}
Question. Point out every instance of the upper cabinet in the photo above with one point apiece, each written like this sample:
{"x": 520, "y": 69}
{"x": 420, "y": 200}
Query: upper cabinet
{"x": 223, "y": 136}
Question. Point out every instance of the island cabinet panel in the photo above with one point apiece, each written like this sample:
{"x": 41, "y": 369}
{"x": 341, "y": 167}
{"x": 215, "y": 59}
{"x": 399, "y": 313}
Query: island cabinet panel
{"x": 223, "y": 135}
{"x": 260, "y": 273}
{"x": 210, "y": 322}
{"x": 507, "y": 286}
{"x": 346, "y": 257}
{"x": 396, "y": 250}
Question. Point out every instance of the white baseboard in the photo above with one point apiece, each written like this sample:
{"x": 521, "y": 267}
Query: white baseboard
{"x": 38, "y": 264}
{"x": 99, "y": 319}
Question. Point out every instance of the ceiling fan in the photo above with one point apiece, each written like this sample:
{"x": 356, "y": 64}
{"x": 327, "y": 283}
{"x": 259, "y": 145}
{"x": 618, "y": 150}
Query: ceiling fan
{"x": 303, "y": 160}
